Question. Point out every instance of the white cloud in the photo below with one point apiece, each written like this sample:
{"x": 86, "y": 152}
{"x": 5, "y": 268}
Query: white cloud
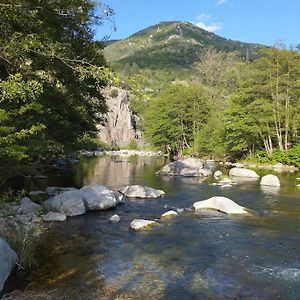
{"x": 220, "y": 2}
{"x": 203, "y": 22}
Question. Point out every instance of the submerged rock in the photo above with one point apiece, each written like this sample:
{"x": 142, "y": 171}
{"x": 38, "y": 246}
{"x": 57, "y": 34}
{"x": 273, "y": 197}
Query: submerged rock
{"x": 242, "y": 172}
{"x": 115, "y": 219}
{"x": 270, "y": 180}
{"x": 222, "y": 204}
{"x": 29, "y": 207}
{"x": 54, "y": 217}
{"x": 139, "y": 191}
{"x": 169, "y": 214}
{"x": 70, "y": 203}
{"x": 140, "y": 224}
{"x": 8, "y": 260}
{"x": 189, "y": 167}
{"x": 98, "y": 197}
{"x": 55, "y": 190}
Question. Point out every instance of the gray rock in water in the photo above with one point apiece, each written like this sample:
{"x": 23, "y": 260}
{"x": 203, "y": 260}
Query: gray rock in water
{"x": 8, "y": 260}
{"x": 54, "y": 217}
{"x": 119, "y": 197}
{"x": 140, "y": 224}
{"x": 29, "y": 207}
{"x": 189, "y": 167}
{"x": 270, "y": 180}
{"x": 115, "y": 219}
{"x": 40, "y": 177}
{"x": 138, "y": 191}
{"x": 38, "y": 196}
{"x": 242, "y": 172}
{"x": 222, "y": 204}
{"x": 98, "y": 197}
{"x": 70, "y": 203}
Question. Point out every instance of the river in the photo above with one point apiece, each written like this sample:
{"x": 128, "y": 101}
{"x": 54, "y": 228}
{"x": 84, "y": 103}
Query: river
{"x": 192, "y": 256}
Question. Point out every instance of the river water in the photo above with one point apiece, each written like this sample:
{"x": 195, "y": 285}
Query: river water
{"x": 192, "y": 256}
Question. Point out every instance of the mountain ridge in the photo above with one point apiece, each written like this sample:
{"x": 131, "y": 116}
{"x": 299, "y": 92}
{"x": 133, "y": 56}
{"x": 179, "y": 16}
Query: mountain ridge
{"x": 173, "y": 44}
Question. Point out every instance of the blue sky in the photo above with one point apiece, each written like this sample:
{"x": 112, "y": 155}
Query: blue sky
{"x": 259, "y": 21}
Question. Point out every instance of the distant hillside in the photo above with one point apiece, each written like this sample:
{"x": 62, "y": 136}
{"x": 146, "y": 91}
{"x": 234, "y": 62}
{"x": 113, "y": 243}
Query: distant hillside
{"x": 172, "y": 45}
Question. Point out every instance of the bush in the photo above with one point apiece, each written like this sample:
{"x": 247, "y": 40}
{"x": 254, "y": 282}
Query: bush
{"x": 132, "y": 145}
{"x": 88, "y": 142}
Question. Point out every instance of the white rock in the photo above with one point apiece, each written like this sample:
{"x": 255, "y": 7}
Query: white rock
{"x": 226, "y": 186}
{"x": 115, "y": 218}
{"x": 225, "y": 181}
{"x": 70, "y": 203}
{"x": 298, "y": 186}
{"x": 270, "y": 180}
{"x": 218, "y": 174}
{"x": 29, "y": 207}
{"x": 8, "y": 260}
{"x": 278, "y": 166}
{"x": 140, "y": 224}
{"x": 98, "y": 197}
{"x": 169, "y": 214}
{"x": 239, "y": 165}
{"x": 222, "y": 204}
{"x": 138, "y": 191}
{"x": 54, "y": 216}
{"x": 242, "y": 172}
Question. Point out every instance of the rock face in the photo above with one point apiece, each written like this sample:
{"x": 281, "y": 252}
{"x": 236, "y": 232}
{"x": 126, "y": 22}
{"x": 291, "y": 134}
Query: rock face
{"x": 241, "y": 172}
{"x": 140, "y": 224}
{"x": 189, "y": 167}
{"x": 98, "y": 197}
{"x": 120, "y": 123}
{"x": 222, "y": 204}
{"x": 54, "y": 217}
{"x": 29, "y": 207}
{"x": 8, "y": 260}
{"x": 270, "y": 180}
{"x": 70, "y": 203}
{"x": 138, "y": 191}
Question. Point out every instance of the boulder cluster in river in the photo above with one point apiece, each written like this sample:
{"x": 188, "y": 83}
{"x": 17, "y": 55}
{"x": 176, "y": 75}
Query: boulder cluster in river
{"x": 58, "y": 203}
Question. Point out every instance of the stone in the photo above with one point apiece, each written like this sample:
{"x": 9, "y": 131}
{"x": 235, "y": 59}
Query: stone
{"x": 298, "y": 186}
{"x": 8, "y": 260}
{"x": 270, "y": 180}
{"x": 242, "y": 172}
{"x": 55, "y": 190}
{"x": 29, "y": 207}
{"x": 54, "y": 217}
{"x": 224, "y": 186}
{"x": 119, "y": 197}
{"x": 73, "y": 161}
{"x": 98, "y": 197}
{"x": 239, "y": 165}
{"x": 139, "y": 191}
{"x": 218, "y": 174}
{"x": 70, "y": 203}
{"x": 222, "y": 204}
{"x": 225, "y": 181}
{"x": 38, "y": 196}
{"x": 169, "y": 214}
{"x": 115, "y": 219}
{"x": 278, "y": 166}
{"x": 189, "y": 167}
{"x": 140, "y": 224}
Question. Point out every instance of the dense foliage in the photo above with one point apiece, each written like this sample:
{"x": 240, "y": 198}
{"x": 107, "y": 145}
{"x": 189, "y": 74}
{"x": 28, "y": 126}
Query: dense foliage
{"x": 51, "y": 73}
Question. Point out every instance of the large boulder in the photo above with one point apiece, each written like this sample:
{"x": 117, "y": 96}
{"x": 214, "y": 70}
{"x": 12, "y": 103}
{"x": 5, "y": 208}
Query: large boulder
{"x": 222, "y": 204}
{"x": 140, "y": 224}
{"x": 190, "y": 167}
{"x": 98, "y": 197}
{"x": 8, "y": 260}
{"x": 242, "y": 172}
{"x": 270, "y": 180}
{"x": 70, "y": 203}
{"x": 29, "y": 207}
{"x": 139, "y": 191}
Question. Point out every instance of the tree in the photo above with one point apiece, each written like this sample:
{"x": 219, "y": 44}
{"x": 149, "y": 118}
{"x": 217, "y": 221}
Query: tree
{"x": 175, "y": 116}
{"x": 51, "y": 75}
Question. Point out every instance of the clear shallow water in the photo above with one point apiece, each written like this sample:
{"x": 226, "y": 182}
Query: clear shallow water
{"x": 192, "y": 256}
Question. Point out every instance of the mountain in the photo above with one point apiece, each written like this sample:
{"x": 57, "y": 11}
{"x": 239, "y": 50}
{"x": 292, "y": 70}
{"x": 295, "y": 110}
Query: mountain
{"x": 172, "y": 45}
